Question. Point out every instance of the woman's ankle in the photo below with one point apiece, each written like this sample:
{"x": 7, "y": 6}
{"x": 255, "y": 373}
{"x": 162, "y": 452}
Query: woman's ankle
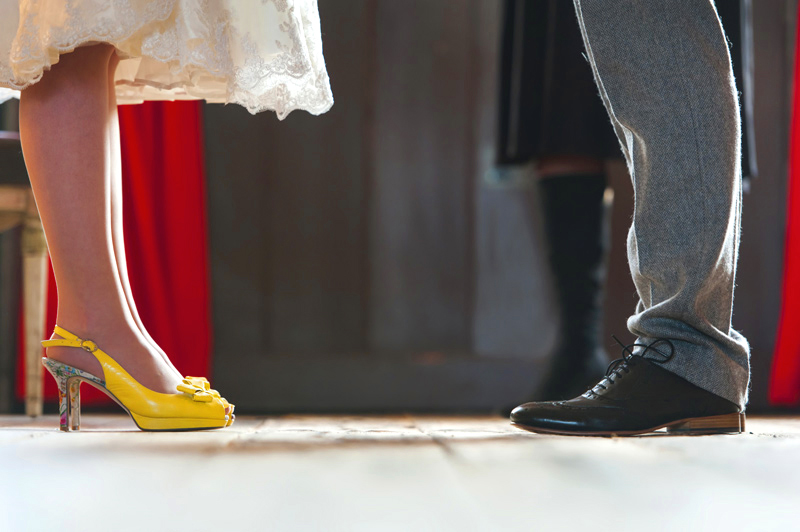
{"x": 77, "y": 358}
{"x": 95, "y": 322}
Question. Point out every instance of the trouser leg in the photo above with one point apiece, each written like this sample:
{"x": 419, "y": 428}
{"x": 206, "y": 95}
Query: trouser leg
{"x": 664, "y": 73}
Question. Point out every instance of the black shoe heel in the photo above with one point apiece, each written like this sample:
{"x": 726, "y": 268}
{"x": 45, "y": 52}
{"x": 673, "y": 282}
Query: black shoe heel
{"x": 725, "y": 424}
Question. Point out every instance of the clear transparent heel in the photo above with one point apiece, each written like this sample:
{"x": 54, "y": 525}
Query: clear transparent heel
{"x": 69, "y": 381}
{"x": 69, "y": 403}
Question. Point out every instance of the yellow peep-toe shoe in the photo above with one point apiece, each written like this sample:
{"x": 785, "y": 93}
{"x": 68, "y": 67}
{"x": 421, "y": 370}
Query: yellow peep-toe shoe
{"x": 192, "y": 409}
{"x": 202, "y": 382}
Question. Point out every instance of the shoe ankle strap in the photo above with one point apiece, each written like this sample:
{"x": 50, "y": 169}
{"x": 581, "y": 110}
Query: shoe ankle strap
{"x": 69, "y": 340}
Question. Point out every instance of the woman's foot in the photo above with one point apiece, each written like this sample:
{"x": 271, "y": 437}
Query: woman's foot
{"x": 128, "y": 347}
{"x": 194, "y": 409}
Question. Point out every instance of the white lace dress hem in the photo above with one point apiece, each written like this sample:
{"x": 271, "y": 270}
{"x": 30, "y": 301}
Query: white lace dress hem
{"x": 261, "y": 54}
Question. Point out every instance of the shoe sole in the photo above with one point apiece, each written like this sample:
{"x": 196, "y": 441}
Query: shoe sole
{"x": 171, "y": 424}
{"x": 695, "y": 426}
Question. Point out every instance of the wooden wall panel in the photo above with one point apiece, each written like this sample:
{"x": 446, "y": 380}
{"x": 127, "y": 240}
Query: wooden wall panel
{"x": 419, "y": 214}
{"x": 344, "y": 246}
{"x": 287, "y": 208}
{"x": 514, "y": 313}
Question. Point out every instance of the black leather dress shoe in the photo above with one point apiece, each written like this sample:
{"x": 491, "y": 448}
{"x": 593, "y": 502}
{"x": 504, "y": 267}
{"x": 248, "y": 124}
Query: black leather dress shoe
{"x": 637, "y": 396}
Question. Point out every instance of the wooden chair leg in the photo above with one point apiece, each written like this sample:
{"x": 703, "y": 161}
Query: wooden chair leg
{"x": 34, "y": 272}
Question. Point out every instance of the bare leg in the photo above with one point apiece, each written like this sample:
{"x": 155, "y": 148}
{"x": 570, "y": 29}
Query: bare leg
{"x": 65, "y": 127}
{"x": 570, "y": 165}
{"x": 117, "y": 235}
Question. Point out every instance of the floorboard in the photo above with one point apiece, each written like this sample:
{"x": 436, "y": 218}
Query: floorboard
{"x": 402, "y": 472}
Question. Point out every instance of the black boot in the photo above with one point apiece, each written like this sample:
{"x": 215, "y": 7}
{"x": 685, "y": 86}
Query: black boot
{"x": 574, "y": 222}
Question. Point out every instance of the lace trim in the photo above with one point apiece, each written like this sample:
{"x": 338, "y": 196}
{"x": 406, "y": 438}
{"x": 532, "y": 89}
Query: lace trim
{"x": 286, "y": 81}
{"x": 26, "y": 44}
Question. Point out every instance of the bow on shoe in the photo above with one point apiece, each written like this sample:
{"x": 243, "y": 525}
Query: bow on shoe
{"x": 202, "y": 382}
{"x": 196, "y": 392}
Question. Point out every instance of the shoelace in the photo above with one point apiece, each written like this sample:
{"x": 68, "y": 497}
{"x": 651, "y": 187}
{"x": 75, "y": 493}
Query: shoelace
{"x": 621, "y": 364}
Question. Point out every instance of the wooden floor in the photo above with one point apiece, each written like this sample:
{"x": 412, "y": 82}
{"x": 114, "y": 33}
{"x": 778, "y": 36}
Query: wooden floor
{"x": 404, "y": 473}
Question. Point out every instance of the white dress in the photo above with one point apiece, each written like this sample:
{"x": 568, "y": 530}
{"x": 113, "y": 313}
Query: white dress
{"x": 261, "y": 54}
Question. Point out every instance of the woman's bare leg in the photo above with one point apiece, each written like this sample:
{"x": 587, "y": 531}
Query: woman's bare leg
{"x": 558, "y": 165}
{"x": 65, "y": 128}
{"x": 117, "y": 235}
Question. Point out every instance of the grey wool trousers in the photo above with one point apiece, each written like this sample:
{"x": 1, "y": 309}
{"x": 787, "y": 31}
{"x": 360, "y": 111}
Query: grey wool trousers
{"x": 664, "y": 73}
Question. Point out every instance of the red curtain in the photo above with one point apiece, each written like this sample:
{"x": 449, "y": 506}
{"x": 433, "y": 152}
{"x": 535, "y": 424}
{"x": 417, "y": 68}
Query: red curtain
{"x": 165, "y": 234}
{"x": 784, "y": 386}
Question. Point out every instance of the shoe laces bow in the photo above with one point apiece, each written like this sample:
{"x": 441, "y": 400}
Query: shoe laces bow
{"x": 619, "y": 365}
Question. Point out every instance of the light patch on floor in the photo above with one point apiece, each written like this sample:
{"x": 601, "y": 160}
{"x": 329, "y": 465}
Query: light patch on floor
{"x": 403, "y": 473}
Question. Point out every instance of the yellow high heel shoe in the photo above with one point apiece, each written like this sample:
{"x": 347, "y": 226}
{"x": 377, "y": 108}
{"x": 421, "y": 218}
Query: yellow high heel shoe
{"x": 202, "y": 382}
{"x": 193, "y": 409}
